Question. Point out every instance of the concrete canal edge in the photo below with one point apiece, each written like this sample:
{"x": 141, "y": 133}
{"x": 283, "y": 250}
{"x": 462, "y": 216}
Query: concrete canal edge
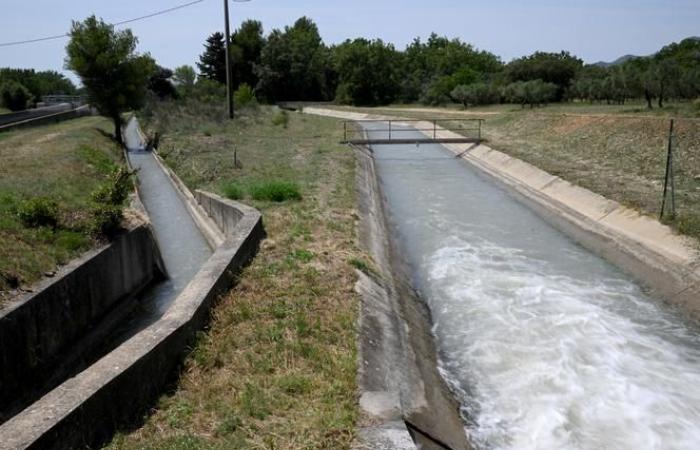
{"x": 403, "y": 397}
{"x": 39, "y": 331}
{"x": 660, "y": 260}
{"x": 86, "y": 410}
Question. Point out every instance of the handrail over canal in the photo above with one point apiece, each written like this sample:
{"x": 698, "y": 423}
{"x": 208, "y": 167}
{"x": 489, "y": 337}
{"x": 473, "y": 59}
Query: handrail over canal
{"x": 394, "y": 135}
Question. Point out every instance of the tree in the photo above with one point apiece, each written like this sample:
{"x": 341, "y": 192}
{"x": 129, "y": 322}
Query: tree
{"x": 474, "y": 94}
{"x": 160, "y": 83}
{"x": 39, "y": 83}
{"x": 114, "y": 75}
{"x": 558, "y": 68}
{"x": 212, "y": 63}
{"x": 246, "y": 47}
{"x": 368, "y": 72}
{"x": 184, "y": 78}
{"x": 295, "y": 65}
{"x": 14, "y": 96}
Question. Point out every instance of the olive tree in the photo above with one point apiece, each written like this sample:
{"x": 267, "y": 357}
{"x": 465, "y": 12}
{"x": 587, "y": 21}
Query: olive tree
{"x": 114, "y": 75}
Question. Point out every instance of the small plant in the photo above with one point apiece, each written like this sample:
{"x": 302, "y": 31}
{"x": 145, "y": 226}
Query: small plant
{"x": 39, "y": 212}
{"x": 244, "y": 96}
{"x": 281, "y": 118}
{"x": 232, "y": 190}
{"x": 108, "y": 202}
{"x": 363, "y": 266}
{"x": 275, "y": 191}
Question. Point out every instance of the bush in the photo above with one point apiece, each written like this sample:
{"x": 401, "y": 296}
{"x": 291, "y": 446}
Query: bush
{"x": 109, "y": 199}
{"x": 14, "y": 96}
{"x": 232, "y": 190}
{"x": 209, "y": 91}
{"x": 275, "y": 191}
{"x": 244, "y": 96}
{"x": 281, "y": 118}
{"x": 39, "y": 212}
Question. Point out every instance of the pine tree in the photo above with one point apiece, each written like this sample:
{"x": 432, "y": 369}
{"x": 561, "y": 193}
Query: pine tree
{"x": 212, "y": 63}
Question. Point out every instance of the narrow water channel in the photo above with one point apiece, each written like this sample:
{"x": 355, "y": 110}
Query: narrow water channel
{"x": 182, "y": 246}
{"x": 547, "y": 345}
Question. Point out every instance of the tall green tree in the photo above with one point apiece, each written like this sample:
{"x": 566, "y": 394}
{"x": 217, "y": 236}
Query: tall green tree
{"x": 558, "y": 68}
{"x": 247, "y": 44}
{"x": 295, "y": 65}
{"x": 212, "y": 63}
{"x": 368, "y": 72}
{"x": 14, "y": 96}
{"x": 114, "y": 75}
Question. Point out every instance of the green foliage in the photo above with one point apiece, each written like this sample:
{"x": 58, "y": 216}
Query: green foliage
{"x": 475, "y": 94}
{"x": 368, "y": 72}
{"x": 209, "y": 91}
{"x": 232, "y": 190}
{"x": 295, "y": 65}
{"x": 247, "y": 44}
{"x": 159, "y": 83}
{"x": 108, "y": 202}
{"x": 557, "y": 68}
{"x": 38, "y": 83}
{"x": 533, "y": 92}
{"x": 39, "y": 212}
{"x": 281, "y": 118}
{"x": 114, "y": 76}
{"x": 244, "y": 96}
{"x": 14, "y": 96}
{"x": 184, "y": 78}
{"x": 212, "y": 63}
{"x": 275, "y": 191}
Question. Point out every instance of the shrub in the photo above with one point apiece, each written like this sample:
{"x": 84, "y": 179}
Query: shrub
{"x": 232, "y": 190}
{"x": 107, "y": 219}
{"x": 108, "y": 202}
{"x": 39, "y": 212}
{"x": 14, "y": 96}
{"x": 281, "y": 118}
{"x": 275, "y": 191}
{"x": 244, "y": 96}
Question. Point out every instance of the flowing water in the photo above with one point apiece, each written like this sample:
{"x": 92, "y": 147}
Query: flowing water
{"x": 182, "y": 246}
{"x": 546, "y": 345}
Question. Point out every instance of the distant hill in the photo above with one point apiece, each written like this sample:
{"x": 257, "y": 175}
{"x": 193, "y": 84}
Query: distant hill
{"x": 618, "y": 61}
{"x": 623, "y": 59}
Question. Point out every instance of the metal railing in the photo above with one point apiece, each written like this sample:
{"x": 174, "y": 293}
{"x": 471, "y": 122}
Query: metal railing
{"x": 397, "y": 131}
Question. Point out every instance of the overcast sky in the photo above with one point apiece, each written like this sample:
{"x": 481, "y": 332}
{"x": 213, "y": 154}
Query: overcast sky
{"x": 594, "y": 30}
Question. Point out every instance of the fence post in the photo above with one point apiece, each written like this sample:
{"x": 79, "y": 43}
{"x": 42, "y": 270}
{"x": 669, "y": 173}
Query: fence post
{"x": 669, "y": 177}
{"x": 345, "y": 130}
{"x": 390, "y": 130}
{"x": 478, "y": 140}
{"x": 435, "y": 129}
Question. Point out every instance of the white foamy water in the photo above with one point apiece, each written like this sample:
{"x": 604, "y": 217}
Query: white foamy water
{"x": 552, "y": 361}
{"x": 546, "y": 345}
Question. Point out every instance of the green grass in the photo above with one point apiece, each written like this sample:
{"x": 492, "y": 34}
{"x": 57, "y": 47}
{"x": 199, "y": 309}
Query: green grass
{"x": 62, "y": 164}
{"x": 275, "y": 191}
{"x": 277, "y": 369}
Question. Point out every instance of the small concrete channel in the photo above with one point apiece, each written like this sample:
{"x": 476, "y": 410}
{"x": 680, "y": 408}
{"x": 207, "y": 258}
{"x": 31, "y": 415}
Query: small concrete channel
{"x": 129, "y": 312}
{"x": 542, "y": 344}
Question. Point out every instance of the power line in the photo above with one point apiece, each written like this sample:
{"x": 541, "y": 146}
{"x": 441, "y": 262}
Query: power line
{"x": 61, "y": 36}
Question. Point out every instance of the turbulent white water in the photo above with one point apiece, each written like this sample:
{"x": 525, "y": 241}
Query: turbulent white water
{"x": 548, "y": 346}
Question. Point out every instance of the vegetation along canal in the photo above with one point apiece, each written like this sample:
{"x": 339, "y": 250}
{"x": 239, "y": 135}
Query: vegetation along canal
{"x": 546, "y": 345}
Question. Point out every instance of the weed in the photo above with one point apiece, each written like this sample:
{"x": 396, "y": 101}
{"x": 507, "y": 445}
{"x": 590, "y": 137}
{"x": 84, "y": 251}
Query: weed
{"x": 294, "y": 384}
{"x": 244, "y": 96}
{"x": 232, "y": 190}
{"x": 281, "y": 118}
{"x": 302, "y": 255}
{"x": 255, "y": 402}
{"x": 275, "y": 191}
{"x": 39, "y": 212}
{"x": 362, "y": 265}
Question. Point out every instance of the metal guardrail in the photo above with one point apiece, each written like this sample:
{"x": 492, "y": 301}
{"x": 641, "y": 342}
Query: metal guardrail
{"x": 468, "y": 129}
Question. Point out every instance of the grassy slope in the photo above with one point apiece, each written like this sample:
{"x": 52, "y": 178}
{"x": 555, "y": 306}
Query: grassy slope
{"x": 278, "y": 367}
{"x": 64, "y": 162}
{"x": 616, "y": 151}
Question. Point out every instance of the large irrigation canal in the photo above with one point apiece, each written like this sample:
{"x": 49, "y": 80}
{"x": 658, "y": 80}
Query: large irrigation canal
{"x": 546, "y": 345}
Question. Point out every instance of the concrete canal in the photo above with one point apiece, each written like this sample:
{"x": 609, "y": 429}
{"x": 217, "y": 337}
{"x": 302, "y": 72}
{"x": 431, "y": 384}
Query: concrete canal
{"x": 546, "y": 345}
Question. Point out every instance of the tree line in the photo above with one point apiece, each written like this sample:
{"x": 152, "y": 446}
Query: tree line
{"x": 294, "y": 64}
{"x": 22, "y": 88}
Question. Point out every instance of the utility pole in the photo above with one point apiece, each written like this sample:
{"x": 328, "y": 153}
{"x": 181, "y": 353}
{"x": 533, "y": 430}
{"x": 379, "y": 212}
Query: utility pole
{"x": 229, "y": 80}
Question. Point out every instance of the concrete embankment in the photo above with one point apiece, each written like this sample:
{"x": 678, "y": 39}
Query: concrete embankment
{"x": 40, "y": 331}
{"x": 85, "y": 410}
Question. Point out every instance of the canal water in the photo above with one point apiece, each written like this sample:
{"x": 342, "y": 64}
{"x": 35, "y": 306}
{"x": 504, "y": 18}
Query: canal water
{"x": 546, "y": 345}
{"x": 182, "y": 246}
